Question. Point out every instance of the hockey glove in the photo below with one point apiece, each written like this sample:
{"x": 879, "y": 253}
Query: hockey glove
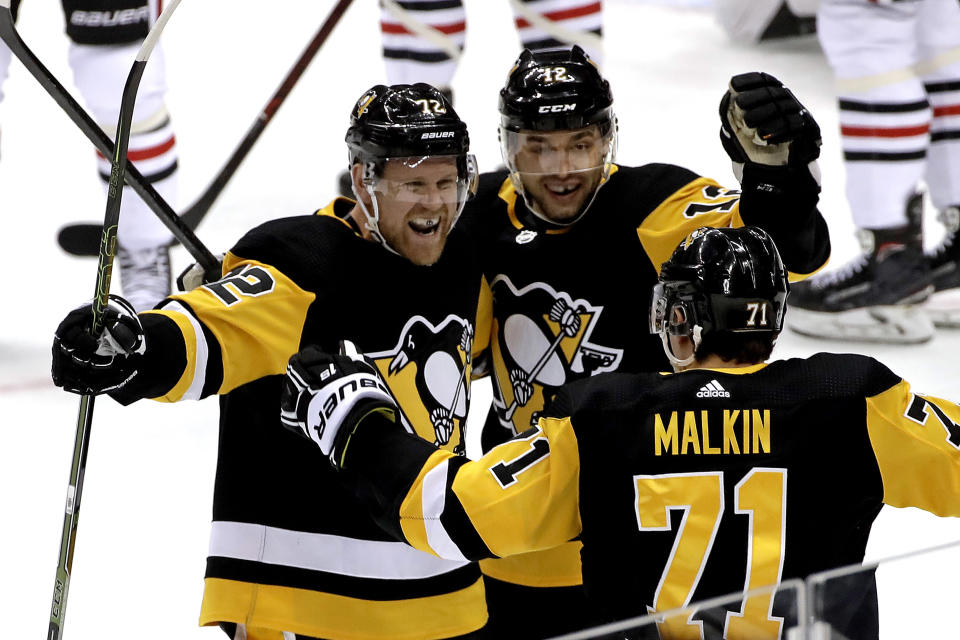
{"x": 89, "y": 364}
{"x": 761, "y": 121}
{"x": 194, "y": 276}
{"x": 325, "y": 397}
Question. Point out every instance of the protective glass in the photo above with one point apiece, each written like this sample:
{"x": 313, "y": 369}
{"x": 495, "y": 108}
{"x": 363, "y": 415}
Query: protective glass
{"x": 420, "y": 182}
{"x": 558, "y": 152}
{"x": 668, "y": 313}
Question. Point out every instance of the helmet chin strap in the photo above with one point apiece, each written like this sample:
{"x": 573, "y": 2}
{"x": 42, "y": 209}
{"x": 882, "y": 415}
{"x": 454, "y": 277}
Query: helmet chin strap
{"x": 372, "y": 223}
{"x": 679, "y": 363}
{"x": 535, "y": 208}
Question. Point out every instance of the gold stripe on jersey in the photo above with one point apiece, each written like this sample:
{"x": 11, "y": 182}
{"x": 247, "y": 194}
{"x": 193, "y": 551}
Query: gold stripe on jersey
{"x": 509, "y": 195}
{"x": 484, "y": 321}
{"x": 555, "y": 567}
{"x": 687, "y": 209}
{"x": 190, "y": 342}
{"x": 325, "y": 615}
{"x": 413, "y": 520}
{"x": 919, "y": 465}
{"x": 255, "y": 339}
{"x": 331, "y": 212}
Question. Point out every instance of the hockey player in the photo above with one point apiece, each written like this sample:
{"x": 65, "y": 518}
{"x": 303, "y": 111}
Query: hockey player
{"x": 898, "y": 79}
{"x": 751, "y": 452}
{"x": 370, "y": 271}
{"x": 424, "y": 39}
{"x": 104, "y": 37}
{"x": 572, "y": 243}
{"x": 751, "y": 21}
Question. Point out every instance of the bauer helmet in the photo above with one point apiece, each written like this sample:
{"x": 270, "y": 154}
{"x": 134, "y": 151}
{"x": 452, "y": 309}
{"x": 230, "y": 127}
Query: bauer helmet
{"x": 720, "y": 280}
{"x": 556, "y": 91}
{"x": 408, "y": 124}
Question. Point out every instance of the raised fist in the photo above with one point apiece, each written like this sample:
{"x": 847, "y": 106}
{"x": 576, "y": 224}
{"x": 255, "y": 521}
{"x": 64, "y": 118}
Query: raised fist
{"x": 89, "y": 364}
{"x": 326, "y": 396}
{"x": 764, "y": 123}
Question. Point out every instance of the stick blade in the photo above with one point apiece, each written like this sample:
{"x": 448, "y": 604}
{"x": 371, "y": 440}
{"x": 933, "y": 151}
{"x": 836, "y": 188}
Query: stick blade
{"x": 80, "y": 239}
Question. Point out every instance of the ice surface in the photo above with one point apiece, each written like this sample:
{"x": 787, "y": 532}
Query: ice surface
{"x": 139, "y": 562}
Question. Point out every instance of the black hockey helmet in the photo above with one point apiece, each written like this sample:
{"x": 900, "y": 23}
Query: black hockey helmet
{"x": 555, "y": 90}
{"x": 408, "y": 123}
{"x": 550, "y": 98}
{"x": 405, "y": 120}
{"x": 721, "y": 280}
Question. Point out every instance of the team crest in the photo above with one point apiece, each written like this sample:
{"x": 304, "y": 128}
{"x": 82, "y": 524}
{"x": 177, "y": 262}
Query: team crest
{"x": 543, "y": 343}
{"x": 428, "y": 373}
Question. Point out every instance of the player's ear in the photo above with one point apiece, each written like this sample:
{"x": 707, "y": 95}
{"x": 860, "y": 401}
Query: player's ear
{"x": 356, "y": 173}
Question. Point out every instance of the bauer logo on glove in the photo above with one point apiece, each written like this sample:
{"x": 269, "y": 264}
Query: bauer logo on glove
{"x": 326, "y": 396}
{"x": 90, "y": 364}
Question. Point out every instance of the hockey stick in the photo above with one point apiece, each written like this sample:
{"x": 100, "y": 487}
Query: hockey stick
{"x": 95, "y": 134}
{"x": 101, "y": 297}
{"x": 82, "y": 239}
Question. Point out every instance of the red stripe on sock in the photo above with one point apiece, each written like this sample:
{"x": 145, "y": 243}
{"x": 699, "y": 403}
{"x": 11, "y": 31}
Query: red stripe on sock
{"x": 149, "y": 152}
{"x": 395, "y": 28}
{"x": 884, "y": 132}
{"x": 565, "y": 14}
{"x": 947, "y": 110}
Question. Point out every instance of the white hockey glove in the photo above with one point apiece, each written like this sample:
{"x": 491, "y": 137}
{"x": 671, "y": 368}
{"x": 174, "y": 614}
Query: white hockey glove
{"x": 762, "y": 122}
{"x": 88, "y": 364}
{"x": 326, "y": 396}
{"x": 194, "y": 276}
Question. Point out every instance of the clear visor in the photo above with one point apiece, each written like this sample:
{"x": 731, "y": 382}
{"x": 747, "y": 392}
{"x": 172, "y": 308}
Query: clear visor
{"x": 665, "y": 317}
{"x": 558, "y": 152}
{"x": 427, "y": 180}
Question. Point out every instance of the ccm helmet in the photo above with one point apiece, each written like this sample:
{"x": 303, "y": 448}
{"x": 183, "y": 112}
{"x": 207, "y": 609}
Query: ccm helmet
{"x": 720, "y": 280}
{"x": 549, "y": 91}
{"x": 408, "y": 123}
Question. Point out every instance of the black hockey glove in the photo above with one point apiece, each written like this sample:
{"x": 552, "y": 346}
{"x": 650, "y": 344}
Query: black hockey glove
{"x": 85, "y": 363}
{"x": 326, "y": 396}
{"x": 761, "y": 121}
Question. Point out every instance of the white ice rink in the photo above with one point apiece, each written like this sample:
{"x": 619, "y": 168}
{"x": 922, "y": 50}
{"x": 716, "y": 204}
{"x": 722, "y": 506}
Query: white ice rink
{"x": 141, "y": 547}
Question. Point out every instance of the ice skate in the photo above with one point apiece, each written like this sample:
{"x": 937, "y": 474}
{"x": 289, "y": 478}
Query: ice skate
{"x": 144, "y": 275}
{"x": 943, "y": 306}
{"x": 877, "y": 297}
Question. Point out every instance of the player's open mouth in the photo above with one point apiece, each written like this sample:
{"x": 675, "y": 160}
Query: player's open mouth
{"x": 425, "y": 226}
{"x": 563, "y": 190}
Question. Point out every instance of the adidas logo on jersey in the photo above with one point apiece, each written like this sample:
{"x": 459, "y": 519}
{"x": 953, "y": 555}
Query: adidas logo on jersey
{"x": 713, "y": 390}
{"x": 431, "y": 135}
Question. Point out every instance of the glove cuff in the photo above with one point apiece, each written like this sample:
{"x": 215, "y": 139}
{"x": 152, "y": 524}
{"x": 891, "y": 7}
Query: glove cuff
{"x": 366, "y": 411}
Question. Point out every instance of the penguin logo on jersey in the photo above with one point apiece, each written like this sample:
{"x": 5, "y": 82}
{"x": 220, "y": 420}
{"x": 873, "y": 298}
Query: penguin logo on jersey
{"x": 542, "y": 343}
{"x": 428, "y": 373}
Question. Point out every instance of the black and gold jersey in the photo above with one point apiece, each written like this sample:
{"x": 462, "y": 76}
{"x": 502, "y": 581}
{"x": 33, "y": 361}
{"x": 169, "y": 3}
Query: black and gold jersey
{"x": 571, "y": 302}
{"x": 686, "y": 486}
{"x": 273, "y": 562}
